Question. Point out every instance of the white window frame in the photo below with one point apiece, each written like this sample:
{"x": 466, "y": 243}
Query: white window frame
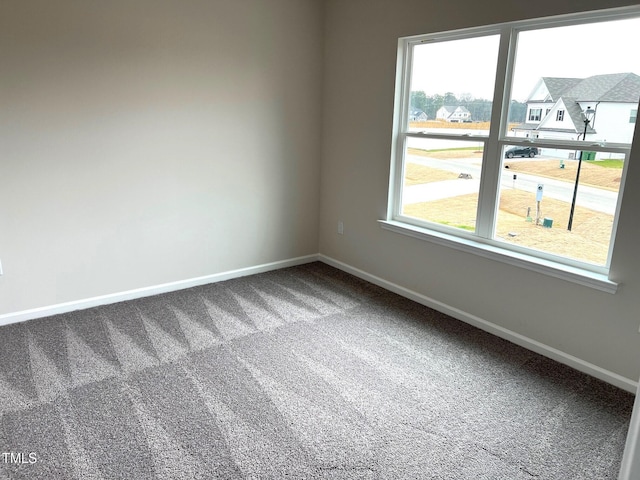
{"x": 537, "y": 117}
{"x": 560, "y": 116}
{"x": 481, "y": 242}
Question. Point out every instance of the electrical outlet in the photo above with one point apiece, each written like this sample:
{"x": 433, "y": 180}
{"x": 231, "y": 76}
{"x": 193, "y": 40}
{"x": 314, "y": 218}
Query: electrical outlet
{"x": 340, "y": 227}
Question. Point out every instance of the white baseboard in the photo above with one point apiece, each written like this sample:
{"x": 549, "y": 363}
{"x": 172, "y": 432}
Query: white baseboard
{"x": 530, "y": 344}
{"x": 630, "y": 464}
{"x": 149, "y": 291}
{"x": 518, "y": 339}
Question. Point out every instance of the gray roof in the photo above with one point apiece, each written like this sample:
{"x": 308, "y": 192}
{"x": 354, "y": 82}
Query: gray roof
{"x": 577, "y": 117}
{"x": 613, "y": 87}
{"x": 557, "y": 86}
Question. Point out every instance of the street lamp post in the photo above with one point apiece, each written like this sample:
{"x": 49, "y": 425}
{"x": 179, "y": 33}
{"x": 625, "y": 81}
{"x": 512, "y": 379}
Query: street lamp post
{"x": 588, "y": 116}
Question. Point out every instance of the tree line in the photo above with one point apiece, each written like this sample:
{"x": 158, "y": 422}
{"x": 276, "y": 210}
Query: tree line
{"x": 480, "y": 108}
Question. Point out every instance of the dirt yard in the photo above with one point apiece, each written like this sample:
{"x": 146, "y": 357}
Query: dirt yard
{"x": 590, "y": 173}
{"x": 445, "y": 154}
{"x": 591, "y": 230}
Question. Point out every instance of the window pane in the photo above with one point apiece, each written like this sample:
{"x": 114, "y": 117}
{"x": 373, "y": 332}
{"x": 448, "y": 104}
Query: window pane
{"x": 441, "y": 181}
{"x": 560, "y": 72}
{"x": 538, "y": 218}
{"x": 452, "y": 86}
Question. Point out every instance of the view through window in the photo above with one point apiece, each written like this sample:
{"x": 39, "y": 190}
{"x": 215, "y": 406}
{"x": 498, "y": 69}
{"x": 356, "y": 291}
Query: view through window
{"x": 547, "y": 178}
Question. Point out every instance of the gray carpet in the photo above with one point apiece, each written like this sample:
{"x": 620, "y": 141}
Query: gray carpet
{"x": 305, "y": 372}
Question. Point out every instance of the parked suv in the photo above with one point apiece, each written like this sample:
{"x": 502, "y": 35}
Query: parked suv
{"x": 521, "y": 152}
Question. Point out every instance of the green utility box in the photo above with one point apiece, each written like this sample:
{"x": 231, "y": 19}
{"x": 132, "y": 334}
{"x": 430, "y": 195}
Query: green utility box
{"x": 588, "y": 155}
{"x": 547, "y": 222}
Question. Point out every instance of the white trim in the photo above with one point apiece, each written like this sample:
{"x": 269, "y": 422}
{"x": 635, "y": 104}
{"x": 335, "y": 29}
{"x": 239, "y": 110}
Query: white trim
{"x": 630, "y": 465}
{"x": 518, "y": 339}
{"x": 589, "y": 16}
{"x": 47, "y": 311}
{"x": 569, "y": 273}
{"x": 498, "y": 137}
{"x": 492, "y": 328}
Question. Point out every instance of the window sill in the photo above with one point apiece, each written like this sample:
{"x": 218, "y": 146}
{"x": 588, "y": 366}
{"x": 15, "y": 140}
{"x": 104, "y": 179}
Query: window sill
{"x": 580, "y": 276}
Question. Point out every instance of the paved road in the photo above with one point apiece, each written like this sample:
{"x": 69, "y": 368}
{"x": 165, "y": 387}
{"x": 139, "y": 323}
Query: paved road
{"x": 589, "y": 197}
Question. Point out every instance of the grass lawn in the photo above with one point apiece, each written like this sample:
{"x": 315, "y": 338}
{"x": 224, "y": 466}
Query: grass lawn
{"x": 598, "y": 173}
{"x": 609, "y": 163}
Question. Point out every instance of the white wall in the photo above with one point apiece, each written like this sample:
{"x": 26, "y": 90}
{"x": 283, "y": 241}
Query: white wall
{"x": 612, "y": 122}
{"x": 144, "y": 142}
{"x": 152, "y": 141}
{"x": 360, "y": 56}
{"x": 551, "y": 120}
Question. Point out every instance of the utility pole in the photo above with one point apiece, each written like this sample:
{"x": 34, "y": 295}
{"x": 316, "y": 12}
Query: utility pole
{"x": 588, "y": 116}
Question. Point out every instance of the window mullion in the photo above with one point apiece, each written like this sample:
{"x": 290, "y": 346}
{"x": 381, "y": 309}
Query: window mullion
{"x": 437, "y": 183}
{"x": 489, "y": 185}
{"x": 400, "y": 127}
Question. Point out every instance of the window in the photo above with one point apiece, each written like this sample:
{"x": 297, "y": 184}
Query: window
{"x": 633, "y": 116}
{"x": 511, "y": 182}
{"x": 535, "y": 114}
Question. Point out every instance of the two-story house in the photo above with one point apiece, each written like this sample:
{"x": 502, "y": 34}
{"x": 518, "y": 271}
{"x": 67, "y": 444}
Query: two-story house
{"x": 453, "y": 114}
{"x": 555, "y": 106}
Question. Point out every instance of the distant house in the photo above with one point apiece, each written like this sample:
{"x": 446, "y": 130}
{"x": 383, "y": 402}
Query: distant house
{"x": 453, "y": 114}
{"x": 555, "y": 106}
{"x": 417, "y": 116}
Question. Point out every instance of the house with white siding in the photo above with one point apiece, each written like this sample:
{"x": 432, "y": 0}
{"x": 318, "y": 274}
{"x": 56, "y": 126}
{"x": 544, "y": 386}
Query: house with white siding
{"x": 555, "y": 108}
{"x": 453, "y": 114}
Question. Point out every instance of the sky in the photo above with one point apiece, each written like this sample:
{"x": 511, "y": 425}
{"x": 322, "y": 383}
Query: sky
{"x": 468, "y": 66}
